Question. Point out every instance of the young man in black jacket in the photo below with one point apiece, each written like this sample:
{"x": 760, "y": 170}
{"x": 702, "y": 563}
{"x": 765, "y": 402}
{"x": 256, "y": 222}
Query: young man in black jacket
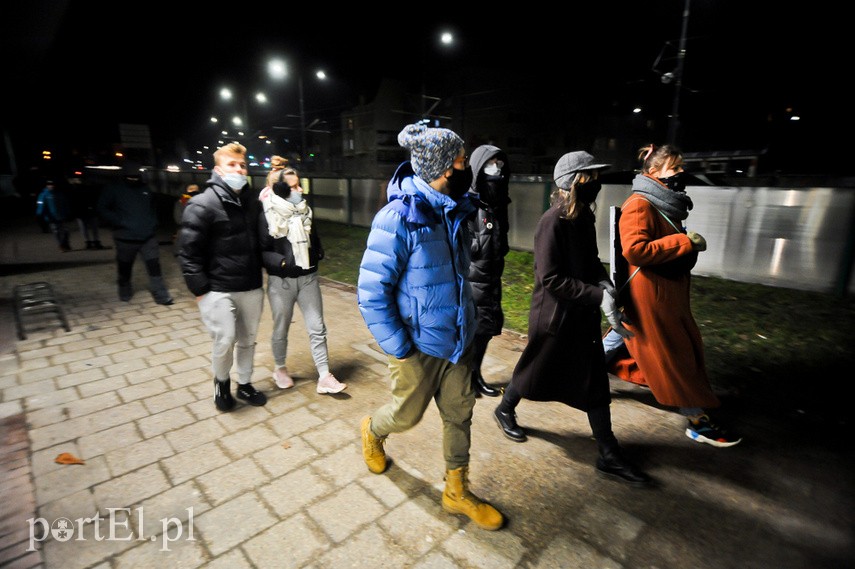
{"x": 489, "y": 231}
{"x": 220, "y": 257}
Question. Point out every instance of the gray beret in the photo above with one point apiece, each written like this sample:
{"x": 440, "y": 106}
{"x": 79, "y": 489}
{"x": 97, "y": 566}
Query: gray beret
{"x": 571, "y": 163}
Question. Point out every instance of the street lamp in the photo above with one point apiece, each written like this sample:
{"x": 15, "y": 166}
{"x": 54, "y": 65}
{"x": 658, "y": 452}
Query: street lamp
{"x": 447, "y": 39}
{"x": 226, "y": 94}
{"x": 278, "y": 69}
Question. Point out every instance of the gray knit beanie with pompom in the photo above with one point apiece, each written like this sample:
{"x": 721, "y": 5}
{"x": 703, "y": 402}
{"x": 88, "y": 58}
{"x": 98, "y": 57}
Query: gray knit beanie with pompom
{"x": 432, "y": 150}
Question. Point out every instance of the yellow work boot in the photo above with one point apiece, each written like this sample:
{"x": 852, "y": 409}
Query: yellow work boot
{"x": 457, "y": 499}
{"x": 372, "y": 448}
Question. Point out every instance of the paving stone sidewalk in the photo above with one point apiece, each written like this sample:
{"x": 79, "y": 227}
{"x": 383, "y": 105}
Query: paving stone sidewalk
{"x": 128, "y": 390}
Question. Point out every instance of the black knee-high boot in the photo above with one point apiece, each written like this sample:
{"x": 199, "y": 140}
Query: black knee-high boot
{"x": 479, "y": 346}
{"x": 611, "y": 463}
{"x": 506, "y": 417}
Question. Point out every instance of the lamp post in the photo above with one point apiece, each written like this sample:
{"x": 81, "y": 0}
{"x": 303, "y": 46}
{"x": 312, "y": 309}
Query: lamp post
{"x": 302, "y": 121}
{"x": 242, "y": 121}
{"x": 447, "y": 41}
{"x": 278, "y": 69}
{"x": 674, "y": 118}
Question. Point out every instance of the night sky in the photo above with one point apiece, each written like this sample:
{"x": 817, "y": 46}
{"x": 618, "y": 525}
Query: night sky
{"x": 75, "y": 69}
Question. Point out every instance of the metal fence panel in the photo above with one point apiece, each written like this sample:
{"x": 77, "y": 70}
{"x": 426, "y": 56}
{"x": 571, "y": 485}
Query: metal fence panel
{"x": 790, "y": 237}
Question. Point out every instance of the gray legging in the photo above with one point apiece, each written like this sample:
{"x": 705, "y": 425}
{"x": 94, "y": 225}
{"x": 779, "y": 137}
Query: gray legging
{"x": 306, "y": 292}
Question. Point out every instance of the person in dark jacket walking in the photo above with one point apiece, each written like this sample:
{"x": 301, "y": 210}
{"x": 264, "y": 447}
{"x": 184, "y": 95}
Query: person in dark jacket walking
{"x": 415, "y": 297}
{"x": 563, "y": 360}
{"x": 291, "y": 250}
{"x": 489, "y": 229}
{"x": 128, "y": 206}
{"x": 220, "y": 257}
{"x": 84, "y": 203}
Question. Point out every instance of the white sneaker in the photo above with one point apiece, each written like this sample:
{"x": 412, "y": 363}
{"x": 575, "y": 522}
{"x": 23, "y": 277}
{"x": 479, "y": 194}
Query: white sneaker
{"x": 330, "y": 384}
{"x": 282, "y": 379}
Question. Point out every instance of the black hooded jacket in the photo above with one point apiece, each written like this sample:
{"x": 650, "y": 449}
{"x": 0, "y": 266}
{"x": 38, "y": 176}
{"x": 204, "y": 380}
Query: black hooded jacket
{"x": 489, "y": 229}
{"x": 218, "y": 245}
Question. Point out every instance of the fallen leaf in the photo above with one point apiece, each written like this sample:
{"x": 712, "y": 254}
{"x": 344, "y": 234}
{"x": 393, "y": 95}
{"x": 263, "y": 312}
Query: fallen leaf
{"x": 286, "y": 445}
{"x": 67, "y": 458}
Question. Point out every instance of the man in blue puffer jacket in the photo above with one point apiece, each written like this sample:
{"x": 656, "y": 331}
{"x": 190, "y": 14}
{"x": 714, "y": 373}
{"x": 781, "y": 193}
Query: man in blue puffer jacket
{"x": 415, "y": 297}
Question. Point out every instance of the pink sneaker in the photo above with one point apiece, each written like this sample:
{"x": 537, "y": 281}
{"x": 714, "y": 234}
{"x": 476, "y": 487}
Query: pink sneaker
{"x": 330, "y": 384}
{"x": 282, "y": 379}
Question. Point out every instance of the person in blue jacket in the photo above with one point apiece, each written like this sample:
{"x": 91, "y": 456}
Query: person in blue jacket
{"x": 52, "y": 208}
{"x": 414, "y": 295}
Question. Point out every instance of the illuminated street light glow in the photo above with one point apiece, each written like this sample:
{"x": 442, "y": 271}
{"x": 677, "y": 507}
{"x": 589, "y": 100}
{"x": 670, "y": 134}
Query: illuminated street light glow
{"x": 277, "y": 69}
{"x": 636, "y": 110}
{"x": 446, "y": 38}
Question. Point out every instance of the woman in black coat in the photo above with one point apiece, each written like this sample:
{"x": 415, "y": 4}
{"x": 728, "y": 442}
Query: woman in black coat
{"x": 489, "y": 231}
{"x": 563, "y": 360}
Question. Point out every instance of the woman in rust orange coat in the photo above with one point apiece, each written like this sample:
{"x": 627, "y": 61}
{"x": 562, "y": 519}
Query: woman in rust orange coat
{"x": 666, "y": 342}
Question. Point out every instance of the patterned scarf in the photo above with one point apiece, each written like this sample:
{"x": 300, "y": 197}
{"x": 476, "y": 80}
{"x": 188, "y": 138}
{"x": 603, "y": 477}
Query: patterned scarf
{"x": 285, "y": 219}
{"x": 673, "y": 204}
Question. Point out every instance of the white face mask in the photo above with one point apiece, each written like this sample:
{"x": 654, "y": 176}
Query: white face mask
{"x": 492, "y": 170}
{"x": 235, "y": 180}
{"x": 493, "y": 167}
{"x": 294, "y": 197}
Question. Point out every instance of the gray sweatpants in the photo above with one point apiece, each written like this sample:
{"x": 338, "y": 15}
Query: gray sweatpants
{"x": 232, "y": 319}
{"x": 304, "y": 291}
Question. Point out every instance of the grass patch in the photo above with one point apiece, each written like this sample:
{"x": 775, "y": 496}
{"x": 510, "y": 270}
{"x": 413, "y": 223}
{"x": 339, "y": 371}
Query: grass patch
{"x": 343, "y": 248}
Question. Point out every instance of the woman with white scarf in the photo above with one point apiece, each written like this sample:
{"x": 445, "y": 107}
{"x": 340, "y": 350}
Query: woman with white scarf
{"x": 291, "y": 250}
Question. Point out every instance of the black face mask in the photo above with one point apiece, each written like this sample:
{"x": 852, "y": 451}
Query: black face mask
{"x": 677, "y": 182}
{"x": 587, "y": 192}
{"x": 459, "y": 182}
